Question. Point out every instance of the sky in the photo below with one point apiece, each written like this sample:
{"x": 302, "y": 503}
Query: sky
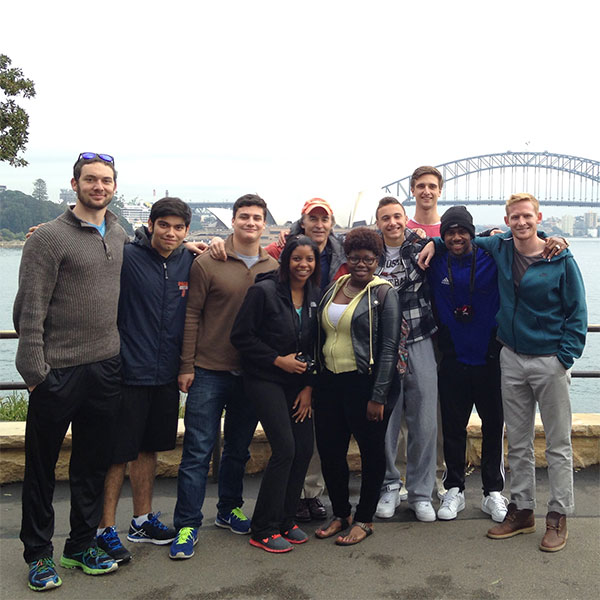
{"x": 291, "y": 100}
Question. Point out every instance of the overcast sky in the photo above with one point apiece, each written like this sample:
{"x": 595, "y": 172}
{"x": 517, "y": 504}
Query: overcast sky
{"x": 210, "y": 100}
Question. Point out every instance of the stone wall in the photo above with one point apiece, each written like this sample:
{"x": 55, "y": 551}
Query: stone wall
{"x": 585, "y": 436}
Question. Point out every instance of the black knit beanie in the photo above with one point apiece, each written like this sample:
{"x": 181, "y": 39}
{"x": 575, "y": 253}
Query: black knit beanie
{"x": 457, "y": 216}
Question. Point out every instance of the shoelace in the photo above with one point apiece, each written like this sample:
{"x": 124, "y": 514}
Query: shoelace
{"x": 498, "y": 502}
{"x": 112, "y": 539}
{"x": 156, "y": 523}
{"x": 44, "y": 565}
{"x": 238, "y": 514}
{"x": 184, "y": 535}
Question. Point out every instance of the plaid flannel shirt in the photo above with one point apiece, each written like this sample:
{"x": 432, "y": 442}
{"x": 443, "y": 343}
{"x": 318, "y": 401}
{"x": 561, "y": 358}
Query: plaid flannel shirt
{"x": 413, "y": 290}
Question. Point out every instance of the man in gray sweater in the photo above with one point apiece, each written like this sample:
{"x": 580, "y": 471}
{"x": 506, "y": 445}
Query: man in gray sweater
{"x": 65, "y": 314}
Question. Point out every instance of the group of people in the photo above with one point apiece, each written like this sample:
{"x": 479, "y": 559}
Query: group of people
{"x": 320, "y": 339}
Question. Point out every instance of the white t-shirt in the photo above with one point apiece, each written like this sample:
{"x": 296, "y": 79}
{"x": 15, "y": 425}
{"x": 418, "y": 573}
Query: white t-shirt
{"x": 393, "y": 269}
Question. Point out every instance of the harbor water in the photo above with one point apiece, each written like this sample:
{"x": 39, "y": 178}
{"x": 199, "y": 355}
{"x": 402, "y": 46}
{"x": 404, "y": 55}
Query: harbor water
{"x": 585, "y": 392}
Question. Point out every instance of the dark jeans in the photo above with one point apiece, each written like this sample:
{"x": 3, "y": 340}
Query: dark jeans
{"x": 462, "y": 386}
{"x": 86, "y": 397}
{"x": 291, "y": 447}
{"x": 210, "y": 393}
{"x": 341, "y": 411}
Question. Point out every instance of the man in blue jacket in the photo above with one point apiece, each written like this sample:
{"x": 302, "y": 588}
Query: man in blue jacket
{"x": 154, "y": 289}
{"x": 464, "y": 283}
{"x": 542, "y": 324}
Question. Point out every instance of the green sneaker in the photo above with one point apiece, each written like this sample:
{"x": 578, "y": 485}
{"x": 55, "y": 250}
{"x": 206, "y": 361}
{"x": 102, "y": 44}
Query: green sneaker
{"x": 93, "y": 561}
{"x": 43, "y": 575}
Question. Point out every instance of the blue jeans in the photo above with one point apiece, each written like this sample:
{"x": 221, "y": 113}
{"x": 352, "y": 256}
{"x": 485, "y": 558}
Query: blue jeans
{"x": 210, "y": 393}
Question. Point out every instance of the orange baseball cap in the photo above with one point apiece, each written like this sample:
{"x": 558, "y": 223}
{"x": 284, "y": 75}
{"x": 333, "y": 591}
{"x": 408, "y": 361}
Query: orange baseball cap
{"x": 313, "y": 203}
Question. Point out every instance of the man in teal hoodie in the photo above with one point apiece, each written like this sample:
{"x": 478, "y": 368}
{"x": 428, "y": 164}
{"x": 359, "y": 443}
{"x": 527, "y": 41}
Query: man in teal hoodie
{"x": 542, "y": 324}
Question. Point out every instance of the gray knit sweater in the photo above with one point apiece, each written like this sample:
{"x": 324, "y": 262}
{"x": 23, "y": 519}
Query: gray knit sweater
{"x": 65, "y": 311}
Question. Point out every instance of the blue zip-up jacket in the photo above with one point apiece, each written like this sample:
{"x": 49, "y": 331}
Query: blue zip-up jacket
{"x": 472, "y": 343}
{"x": 152, "y": 306}
{"x": 547, "y": 314}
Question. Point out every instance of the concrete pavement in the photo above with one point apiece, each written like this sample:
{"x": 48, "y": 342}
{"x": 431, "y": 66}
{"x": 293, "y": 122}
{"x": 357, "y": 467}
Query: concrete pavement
{"x": 403, "y": 560}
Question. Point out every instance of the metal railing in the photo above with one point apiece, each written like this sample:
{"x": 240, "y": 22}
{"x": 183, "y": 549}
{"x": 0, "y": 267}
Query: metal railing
{"x": 20, "y": 385}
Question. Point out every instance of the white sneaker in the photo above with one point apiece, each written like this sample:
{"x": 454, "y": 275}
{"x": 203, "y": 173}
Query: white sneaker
{"x": 495, "y": 505}
{"x": 452, "y": 503}
{"x": 423, "y": 510}
{"x": 403, "y": 493}
{"x": 441, "y": 490}
{"x": 389, "y": 501}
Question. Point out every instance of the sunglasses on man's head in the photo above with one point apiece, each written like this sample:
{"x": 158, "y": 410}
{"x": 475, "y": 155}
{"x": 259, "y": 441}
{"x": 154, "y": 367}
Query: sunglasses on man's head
{"x": 89, "y": 155}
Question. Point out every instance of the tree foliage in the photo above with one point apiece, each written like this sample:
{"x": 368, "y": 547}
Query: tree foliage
{"x": 14, "y": 121}
{"x": 40, "y": 190}
{"x": 18, "y": 211}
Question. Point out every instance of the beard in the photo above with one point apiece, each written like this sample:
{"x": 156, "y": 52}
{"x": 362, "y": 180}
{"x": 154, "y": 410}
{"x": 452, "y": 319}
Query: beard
{"x": 91, "y": 204}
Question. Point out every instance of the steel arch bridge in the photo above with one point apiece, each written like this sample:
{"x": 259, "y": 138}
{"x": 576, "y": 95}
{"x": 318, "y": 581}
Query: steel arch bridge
{"x": 554, "y": 179}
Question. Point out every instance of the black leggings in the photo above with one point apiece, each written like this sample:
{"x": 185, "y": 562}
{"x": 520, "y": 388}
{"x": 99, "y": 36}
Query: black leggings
{"x": 341, "y": 411}
{"x": 291, "y": 451}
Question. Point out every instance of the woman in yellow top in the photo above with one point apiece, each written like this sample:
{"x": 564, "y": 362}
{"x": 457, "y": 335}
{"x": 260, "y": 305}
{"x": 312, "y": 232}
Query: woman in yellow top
{"x": 359, "y": 317}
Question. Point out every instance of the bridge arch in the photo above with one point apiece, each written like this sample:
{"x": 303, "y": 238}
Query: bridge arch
{"x": 558, "y": 179}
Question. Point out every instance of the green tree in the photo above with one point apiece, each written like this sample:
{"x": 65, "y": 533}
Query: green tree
{"x": 14, "y": 121}
{"x": 40, "y": 191}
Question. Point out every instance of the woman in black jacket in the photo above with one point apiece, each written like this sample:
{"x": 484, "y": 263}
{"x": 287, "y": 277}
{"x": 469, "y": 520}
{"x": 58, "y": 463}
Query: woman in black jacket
{"x": 360, "y": 322}
{"x": 274, "y": 333}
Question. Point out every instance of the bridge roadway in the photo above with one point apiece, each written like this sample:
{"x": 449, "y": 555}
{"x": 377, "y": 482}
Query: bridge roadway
{"x": 403, "y": 560}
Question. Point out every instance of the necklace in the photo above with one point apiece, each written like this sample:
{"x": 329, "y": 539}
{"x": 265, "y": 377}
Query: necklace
{"x": 348, "y": 292}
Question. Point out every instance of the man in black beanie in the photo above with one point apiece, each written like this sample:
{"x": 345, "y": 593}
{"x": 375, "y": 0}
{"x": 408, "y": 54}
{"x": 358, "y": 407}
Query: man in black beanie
{"x": 463, "y": 282}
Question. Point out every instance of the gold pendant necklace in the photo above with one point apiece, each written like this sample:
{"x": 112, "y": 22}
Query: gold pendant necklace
{"x": 348, "y": 293}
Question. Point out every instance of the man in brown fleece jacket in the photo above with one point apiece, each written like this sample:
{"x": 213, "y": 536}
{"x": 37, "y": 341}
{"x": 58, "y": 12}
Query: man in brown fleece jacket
{"x": 65, "y": 314}
{"x": 210, "y": 373}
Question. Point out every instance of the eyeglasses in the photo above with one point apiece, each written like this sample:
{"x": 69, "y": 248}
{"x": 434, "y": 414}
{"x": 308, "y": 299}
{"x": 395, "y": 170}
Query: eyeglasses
{"x": 367, "y": 260}
{"x": 89, "y": 155}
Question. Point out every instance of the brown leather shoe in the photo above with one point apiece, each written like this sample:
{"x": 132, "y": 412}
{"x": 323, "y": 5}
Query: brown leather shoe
{"x": 516, "y": 521}
{"x": 317, "y": 511}
{"x": 556, "y": 535}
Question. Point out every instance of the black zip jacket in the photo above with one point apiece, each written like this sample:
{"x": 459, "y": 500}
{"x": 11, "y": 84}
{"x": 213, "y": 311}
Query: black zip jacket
{"x": 152, "y": 306}
{"x": 267, "y": 326}
{"x": 375, "y": 331}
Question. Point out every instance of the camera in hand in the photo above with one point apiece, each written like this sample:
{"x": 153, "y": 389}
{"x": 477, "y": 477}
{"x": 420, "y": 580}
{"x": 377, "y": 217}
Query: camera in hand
{"x": 310, "y": 363}
{"x": 463, "y": 314}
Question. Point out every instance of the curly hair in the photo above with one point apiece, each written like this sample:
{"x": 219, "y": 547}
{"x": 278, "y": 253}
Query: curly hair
{"x": 363, "y": 238}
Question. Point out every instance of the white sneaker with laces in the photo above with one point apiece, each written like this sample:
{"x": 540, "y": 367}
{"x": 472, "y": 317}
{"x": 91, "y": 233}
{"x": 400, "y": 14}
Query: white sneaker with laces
{"x": 423, "y": 510}
{"x": 495, "y": 505}
{"x": 452, "y": 503}
{"x": 389, "y": 501}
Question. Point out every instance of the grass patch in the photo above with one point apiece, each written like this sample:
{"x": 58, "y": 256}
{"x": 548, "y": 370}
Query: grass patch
{"x": 13, "y": 407}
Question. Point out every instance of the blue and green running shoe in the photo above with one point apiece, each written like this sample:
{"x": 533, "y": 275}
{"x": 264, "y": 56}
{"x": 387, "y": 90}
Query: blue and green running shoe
{"x": 235, "y": 521}
{"x": 184, "y": 542}
{"x": 43, "y": 575}
{"x": 93, "y": 561}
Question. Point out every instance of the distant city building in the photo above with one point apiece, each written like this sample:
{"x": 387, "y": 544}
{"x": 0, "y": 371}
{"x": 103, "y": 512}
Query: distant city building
{"x": 591, "y": 219}
{"x": 567, "y": 223}
{"x": 68, "y": 196}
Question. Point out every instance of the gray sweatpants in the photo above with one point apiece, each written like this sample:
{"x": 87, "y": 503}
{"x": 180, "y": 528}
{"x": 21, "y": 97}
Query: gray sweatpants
{"x": 418, "y": 401}
{"x": 527, "y": 380}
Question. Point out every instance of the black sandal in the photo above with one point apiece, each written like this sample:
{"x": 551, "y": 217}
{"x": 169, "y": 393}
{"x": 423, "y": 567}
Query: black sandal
{"x": 341, "y": 520}
{"x": 366, "y": 528}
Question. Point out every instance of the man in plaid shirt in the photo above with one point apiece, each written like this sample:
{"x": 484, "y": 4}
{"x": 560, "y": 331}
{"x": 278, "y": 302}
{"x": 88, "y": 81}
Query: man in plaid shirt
{"x": 417, "y": 395}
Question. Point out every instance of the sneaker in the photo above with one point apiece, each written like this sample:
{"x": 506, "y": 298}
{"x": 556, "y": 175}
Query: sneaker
{"x": 303, "y": 512}
{"x": 556, "y": 535}
{"x": 452, "y": 503}
{"x": 274, "y": 543}
{"x": 152, "y": 531}
{"x": 235, "y": 521}
{"x": 388, "y": 502}
{"x": 43, "y": 575}
{"x": 184, "y": 542}
{"x": 423, "y": 510}
{"x": 111, "y": 544}
{"x": 317, "y": 511}
{"x": 295, "y": 535}
{"x": 403, "y": 493}
{"x": 516, "y": 521}
{"x": 495, "y": 505}
{"x": 93, "y": 561}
